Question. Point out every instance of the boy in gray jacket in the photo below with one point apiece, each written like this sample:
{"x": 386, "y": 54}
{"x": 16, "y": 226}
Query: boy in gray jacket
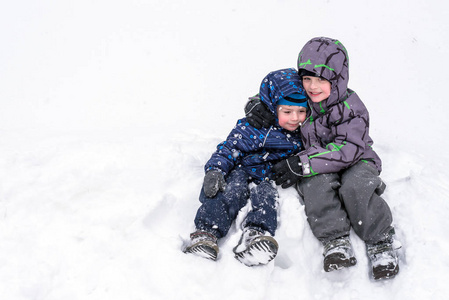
{"x": 338, "y": 172}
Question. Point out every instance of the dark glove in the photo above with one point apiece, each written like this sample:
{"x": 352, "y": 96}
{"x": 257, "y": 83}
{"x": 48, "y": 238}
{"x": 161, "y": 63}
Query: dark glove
{"x": 258, "y": 114}
{"x": 213, "y": 182}
{"x": 287, "y": 172}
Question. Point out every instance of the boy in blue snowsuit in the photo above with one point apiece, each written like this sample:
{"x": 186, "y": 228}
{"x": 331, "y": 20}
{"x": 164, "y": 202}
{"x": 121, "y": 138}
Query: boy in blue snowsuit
{"x": 247, "y": 156}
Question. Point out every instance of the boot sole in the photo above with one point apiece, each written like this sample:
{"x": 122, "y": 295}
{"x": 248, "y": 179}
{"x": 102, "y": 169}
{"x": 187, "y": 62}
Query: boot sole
{"x": 260, "y": 252}
{"x": 207, "y": 250}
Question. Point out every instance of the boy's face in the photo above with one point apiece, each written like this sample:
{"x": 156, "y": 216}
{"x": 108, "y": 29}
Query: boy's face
{"x": 318, "y": 89}
{"x": 291, "y": 117}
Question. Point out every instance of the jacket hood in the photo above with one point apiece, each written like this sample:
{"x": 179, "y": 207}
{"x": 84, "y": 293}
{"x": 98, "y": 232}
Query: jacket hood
{"x": 329, "y": 59}
{"x": 279, "y": 84}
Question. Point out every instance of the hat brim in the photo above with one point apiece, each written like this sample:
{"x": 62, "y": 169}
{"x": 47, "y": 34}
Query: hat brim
{"x": 293, "y": 103}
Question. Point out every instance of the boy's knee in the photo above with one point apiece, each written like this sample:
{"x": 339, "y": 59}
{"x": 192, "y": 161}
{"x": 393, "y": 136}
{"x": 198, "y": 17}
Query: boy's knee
{"x": 236, "y": 181}
{"x": 361, "y": 176}
{"x": 264, "y": 192}
{"x": 329, "y": 181}
{"x": 265, "y": 187}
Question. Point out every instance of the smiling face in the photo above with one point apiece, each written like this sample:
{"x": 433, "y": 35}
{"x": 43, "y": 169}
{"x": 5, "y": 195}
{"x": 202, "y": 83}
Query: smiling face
{"x": 317, "y": 88}
{"x": 291, "y": 116}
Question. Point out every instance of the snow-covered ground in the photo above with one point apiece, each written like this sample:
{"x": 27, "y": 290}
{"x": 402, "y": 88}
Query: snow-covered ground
{"x": 109, "y": 110}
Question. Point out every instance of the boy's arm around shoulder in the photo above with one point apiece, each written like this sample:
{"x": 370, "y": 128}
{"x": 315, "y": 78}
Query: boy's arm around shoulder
{"x": 258, "y": 114}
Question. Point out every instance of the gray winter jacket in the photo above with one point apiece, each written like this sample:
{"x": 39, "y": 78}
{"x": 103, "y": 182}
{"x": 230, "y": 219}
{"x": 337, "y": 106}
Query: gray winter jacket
{"x": 336, "y": 132}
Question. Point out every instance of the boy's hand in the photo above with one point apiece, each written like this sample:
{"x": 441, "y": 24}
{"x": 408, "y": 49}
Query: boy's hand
{"x": 287, "y": 172}
{"x": 258, "y": 115}
{"x": 213, "y": 182}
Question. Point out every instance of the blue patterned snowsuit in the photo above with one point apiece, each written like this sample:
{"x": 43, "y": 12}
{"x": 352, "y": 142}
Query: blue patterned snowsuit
{"x": 247, "y": 156}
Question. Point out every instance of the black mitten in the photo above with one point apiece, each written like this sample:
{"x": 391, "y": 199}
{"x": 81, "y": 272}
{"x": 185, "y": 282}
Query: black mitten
{"x": 213, "y": 182}
{"x": 287, "y": 172}
{"x": 258, "y": 114}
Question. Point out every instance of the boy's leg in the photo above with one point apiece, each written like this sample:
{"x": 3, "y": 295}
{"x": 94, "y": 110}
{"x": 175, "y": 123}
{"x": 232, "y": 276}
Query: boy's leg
{"x": 360, "y": 191}
{"x": 263, "y": 214}
{"x": 216, "y": 214}
{"x": 328, "y": 219}
{"x": 255, "y": 246}
{"x": 325, "y": 213}
{"x": 371, "y": 218}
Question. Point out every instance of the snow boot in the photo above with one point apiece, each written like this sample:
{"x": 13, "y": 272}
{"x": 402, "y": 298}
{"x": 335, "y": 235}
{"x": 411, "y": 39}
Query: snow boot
{"x": 204, "y": 244}
{"x": 338, "y": 254}
{"x": 255, "y": 248}
{"x": 383, "y": 257}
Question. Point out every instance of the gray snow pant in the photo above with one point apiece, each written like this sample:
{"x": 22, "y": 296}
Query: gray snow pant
{"x": 334, "y": 202}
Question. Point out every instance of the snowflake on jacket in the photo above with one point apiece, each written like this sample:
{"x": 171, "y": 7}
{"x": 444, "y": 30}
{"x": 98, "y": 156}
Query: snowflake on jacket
{"x": 257, "y": 150}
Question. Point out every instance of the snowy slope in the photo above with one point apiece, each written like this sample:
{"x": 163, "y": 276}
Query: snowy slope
{"x": 111, "y": 108}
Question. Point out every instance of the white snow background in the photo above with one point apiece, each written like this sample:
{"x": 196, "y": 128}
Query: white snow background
{"x": 109, "y": 110}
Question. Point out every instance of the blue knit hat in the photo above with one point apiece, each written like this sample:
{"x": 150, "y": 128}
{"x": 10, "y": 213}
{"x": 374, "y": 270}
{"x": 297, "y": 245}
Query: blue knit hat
{"x": 295, "y": 99}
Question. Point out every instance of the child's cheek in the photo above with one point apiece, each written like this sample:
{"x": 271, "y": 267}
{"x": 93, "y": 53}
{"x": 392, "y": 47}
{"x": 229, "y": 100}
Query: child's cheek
{"x": 281, "y": 121}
